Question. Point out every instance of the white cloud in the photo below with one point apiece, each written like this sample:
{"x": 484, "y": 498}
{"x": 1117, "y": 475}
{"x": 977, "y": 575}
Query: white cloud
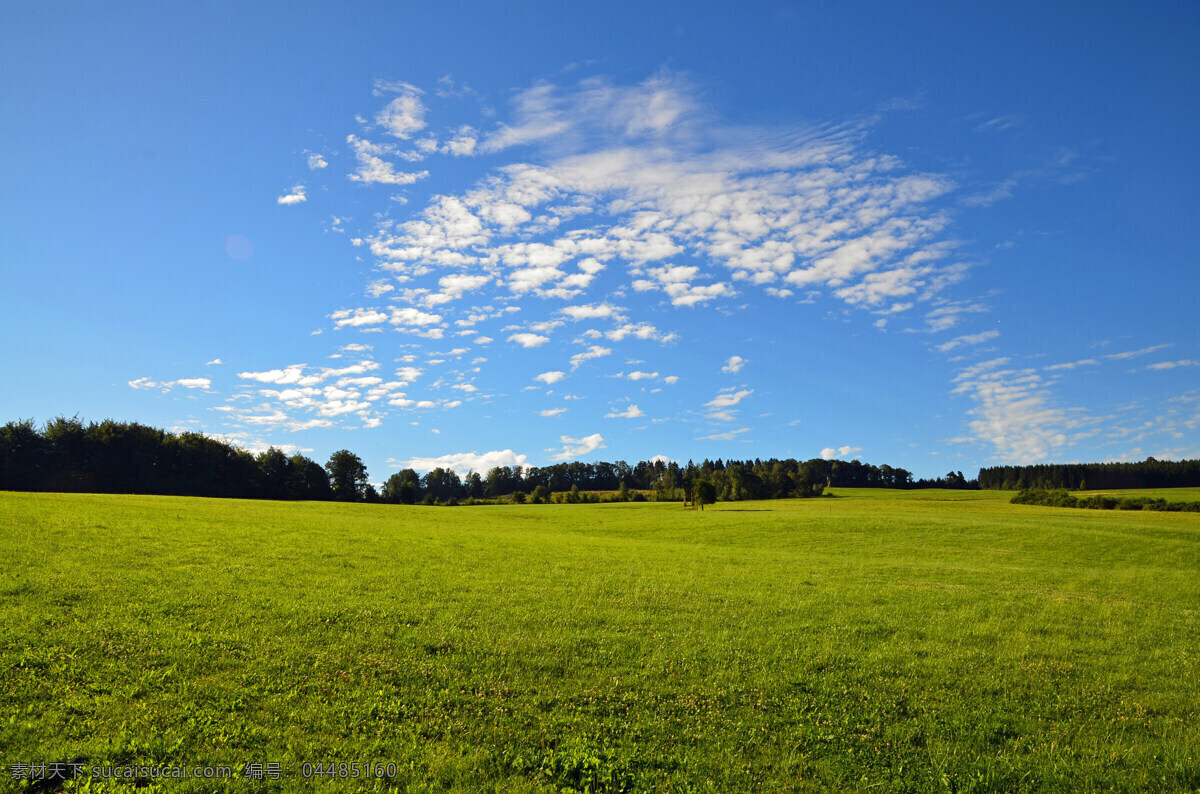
{"x": 595, "y": 351}
{"x": 357, "y": 317}
{"x": 1086, "y": 362}
{"x": 380, "y": 287}
{"x": 408, "y": 374}
{"x": 729, "y": 435}
{"x": 548, "y": 378}
{"x": 295, "y": 197}
{"x": 243, "y": 440}
{"x": 998, "y": 192}
{"x": 213, "y": 362}
{"x": 373, "y": 169}
{"x": 727, "y": 399}
{"x": 577, "y": 447}
{"x": 453, "y": 286}
{"x": 544, "y": 113}
{"x": 637, "y": 188}
{"x": 636, "y": 330}
{"x": 166, "y": 386}
{"x": 405, "y": 114}
{"x": 552, "y": 412}
{"x": 462, "y": 144}
{"x": 1187, "y": 362}
{"x": 632, "y": 412}
{"x": 1015, "y": 412}
{"x": 463, "y": 462}
{"x": 529, "y": 340}
{"x": 829, "y": 453}
{"x": 1136, "y": 353}
{"x": 295, "y": 374}
{"x": 803, "y": 208}
{"x": 969, "y": 339}
{"x": 676, "y": 281}
{"x": 589, "y": 311}
{"x": 947, "y": 314}
{"x": 410, "y": 316}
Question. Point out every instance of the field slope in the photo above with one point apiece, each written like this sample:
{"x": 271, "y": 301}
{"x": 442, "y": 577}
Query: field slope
{"x": 884, "y": 641}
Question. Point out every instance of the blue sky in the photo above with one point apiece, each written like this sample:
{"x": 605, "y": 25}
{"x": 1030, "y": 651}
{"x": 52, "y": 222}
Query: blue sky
{"x": 934, "y": 235}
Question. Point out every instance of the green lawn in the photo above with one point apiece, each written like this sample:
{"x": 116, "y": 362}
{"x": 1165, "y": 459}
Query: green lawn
{"x": 879, "y": 640}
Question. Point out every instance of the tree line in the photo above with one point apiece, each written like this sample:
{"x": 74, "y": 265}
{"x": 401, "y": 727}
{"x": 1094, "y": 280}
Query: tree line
{"x": 660, "y": 480}
{"x": 1149, "y": 473}
{"x": 127, "y": 457}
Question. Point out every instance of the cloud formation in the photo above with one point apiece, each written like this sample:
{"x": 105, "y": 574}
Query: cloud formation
{"x": 464, "y": 462}
{"x": 605, "y": 217}
{"x": 829, "y": 453}
{"x": 1015, "y": 412}
{"x": 166, "y": 386}
{"x": 632, "y": 412}
{"x": 734, "y": 364}
{"x": 574, "y": 448}
{"x": 295, "y": 197}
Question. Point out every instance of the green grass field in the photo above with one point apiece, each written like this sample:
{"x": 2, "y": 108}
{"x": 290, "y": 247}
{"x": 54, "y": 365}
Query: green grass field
{"x": 880, "y": 640}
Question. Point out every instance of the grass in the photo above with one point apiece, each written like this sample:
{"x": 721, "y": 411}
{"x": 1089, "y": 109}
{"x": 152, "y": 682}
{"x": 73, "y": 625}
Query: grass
{"x": 881, "y": 640}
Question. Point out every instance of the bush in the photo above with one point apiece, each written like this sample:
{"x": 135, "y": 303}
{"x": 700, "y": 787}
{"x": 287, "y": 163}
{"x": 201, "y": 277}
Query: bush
{"x": 1061, "y": 498}
{"x": 1099, "y": 502}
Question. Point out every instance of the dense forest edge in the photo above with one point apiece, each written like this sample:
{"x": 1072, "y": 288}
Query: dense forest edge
{"x": 67, "y": 455}
{"x": 1149, "y": 473}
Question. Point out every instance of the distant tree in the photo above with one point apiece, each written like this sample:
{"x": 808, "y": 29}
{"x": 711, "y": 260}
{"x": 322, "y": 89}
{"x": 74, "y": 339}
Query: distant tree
{"x": 443, "y": 484}
{"x": 68, "y": 460}
{"x": 347, "y": 476}
{"x": 275, "y": 473}
{"x": 704, "y": 494}
{"x": 473, "y": 485}
{"x": 540, "y": 495}
{"x": 307, "y": 479}
{"x": 499, "y": 481}
{"x": 402, "y": 488}
{"x": 23, "y": 454}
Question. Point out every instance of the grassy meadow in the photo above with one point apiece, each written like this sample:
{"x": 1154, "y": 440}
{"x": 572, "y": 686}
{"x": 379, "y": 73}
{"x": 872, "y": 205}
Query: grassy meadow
{"x": 878, "y": 640}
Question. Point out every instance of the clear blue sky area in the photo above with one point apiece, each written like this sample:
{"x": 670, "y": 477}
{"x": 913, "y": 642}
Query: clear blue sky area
{"x": 934, "y": 235}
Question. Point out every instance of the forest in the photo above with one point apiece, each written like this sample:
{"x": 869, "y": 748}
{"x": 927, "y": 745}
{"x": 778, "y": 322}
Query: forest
{"x": 1149, "y": 473}
{"x": 67, "y": 455}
